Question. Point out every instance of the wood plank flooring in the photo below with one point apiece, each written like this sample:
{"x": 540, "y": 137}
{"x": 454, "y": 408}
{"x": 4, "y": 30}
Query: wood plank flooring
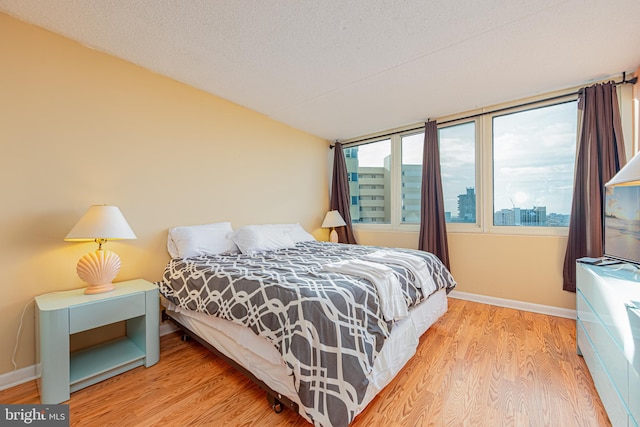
{"x": 479, "y": 365}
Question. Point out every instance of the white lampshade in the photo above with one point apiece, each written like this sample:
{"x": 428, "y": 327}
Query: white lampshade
{"x": 100, "y": 223}
{"x": 629, "y": 174}
{"x": 331, "y": 220}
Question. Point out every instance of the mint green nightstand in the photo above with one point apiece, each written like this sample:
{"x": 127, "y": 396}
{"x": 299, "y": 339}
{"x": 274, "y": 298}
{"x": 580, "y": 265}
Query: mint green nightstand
{"x": 60, "y": 314}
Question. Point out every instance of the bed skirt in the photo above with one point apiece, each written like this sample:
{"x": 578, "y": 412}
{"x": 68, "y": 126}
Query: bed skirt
{"x": 259, "y": 357}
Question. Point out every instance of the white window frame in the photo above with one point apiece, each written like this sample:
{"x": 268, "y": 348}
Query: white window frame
{"x": 483, "y": 119}
{"x": 460, "y": 227}
{"x": 488, "y": 193}
{"x": 395, "y": 192}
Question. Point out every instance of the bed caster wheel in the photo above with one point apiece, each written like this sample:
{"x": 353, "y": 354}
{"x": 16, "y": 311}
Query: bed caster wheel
{"x": 185, "y": 338}
{"x": 276, "y": 405}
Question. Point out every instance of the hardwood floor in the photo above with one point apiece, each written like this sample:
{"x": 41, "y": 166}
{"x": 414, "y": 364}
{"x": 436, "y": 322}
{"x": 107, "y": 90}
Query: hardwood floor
{"x": 479, "y": 365}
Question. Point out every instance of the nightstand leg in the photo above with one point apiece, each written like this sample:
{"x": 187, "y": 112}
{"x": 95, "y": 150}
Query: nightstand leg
{"x": 53, "y": 356}
{"x": 152, "y": 326}
{"x": 144, "y": 331}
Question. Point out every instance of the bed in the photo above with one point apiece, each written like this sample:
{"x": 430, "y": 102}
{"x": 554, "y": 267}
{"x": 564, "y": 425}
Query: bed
{"x": 322, "y": 327}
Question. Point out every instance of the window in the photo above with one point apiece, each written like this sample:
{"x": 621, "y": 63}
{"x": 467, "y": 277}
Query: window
{"x": 371, "y": 190}
{"x": 525, "y": 178}
{"x": 458, "y": 171}
{"x": 533, "y": 165}
{"x": 457, "y": 168}
{"x": 412, "y": 148}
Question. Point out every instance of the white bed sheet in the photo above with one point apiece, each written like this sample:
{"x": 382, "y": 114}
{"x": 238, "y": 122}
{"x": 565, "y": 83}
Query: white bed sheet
{"x": 262, "y": 359}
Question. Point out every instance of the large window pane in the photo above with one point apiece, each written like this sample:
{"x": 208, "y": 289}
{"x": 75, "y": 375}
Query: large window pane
{"x": 458, "y": 170}
{"x": 533, "y": 162}
{"x": 412, "y": 146}
{"x": 369, "y": 167}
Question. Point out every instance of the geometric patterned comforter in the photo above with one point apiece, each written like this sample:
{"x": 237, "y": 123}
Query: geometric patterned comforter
{"x": 327, "y": 326}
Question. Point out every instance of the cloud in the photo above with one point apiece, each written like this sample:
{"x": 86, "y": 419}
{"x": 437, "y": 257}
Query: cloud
{"x": 534, "y": 153}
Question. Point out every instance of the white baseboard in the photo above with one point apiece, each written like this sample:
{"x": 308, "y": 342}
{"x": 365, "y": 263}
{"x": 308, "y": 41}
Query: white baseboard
{"x": 167, "y": 327}
{"x": 20, "y": 376}
{"x": 518, "y": 305}
{"x": 17, "y": 377}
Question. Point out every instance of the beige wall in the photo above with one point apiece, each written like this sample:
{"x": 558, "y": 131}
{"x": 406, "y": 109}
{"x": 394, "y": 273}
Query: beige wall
{"x": 78, "y": 127}
{"x": 519, "y": 268}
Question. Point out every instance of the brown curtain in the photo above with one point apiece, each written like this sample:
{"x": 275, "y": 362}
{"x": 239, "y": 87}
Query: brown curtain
{"x": 340, "y": 197}
{"x": 433, "y": 231}
{"x": 600, "y": 156}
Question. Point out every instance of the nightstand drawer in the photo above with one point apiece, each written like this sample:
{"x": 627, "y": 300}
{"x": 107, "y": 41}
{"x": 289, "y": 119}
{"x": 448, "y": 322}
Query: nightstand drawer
{"x": 92, "y": 315}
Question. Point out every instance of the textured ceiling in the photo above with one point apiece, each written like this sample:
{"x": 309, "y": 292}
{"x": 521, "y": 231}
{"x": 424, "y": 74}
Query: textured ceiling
{"x": 340, "y": 69}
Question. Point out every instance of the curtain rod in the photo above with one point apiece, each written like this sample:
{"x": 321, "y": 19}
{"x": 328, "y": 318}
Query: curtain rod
{"x": 498, "y": 110}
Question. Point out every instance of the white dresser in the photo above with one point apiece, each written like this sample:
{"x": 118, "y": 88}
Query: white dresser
{"x": 608, "y": 334}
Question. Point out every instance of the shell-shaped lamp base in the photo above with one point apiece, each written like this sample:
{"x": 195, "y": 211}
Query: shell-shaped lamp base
{"x": 98, "y": 289}
{"x": 98, "y": 269}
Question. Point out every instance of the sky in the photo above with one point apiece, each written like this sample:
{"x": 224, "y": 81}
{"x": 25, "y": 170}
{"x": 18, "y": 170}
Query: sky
{"x": 534, "y": 157}
{"x": 374, "y": 154}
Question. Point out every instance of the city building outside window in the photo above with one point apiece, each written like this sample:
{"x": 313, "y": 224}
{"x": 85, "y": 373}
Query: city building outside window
{"x": 412, "y": 149}
{"x": 371, "y": 164}
{"x": 457, "y": 167}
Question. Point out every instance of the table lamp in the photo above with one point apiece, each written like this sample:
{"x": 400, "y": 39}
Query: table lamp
{"x": 100, "y": 223}
{"x": 332, "y": 220}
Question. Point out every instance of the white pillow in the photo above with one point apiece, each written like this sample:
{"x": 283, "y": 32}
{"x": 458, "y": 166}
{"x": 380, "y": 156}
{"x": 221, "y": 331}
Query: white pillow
{"x": 295, "y": 231}
{"x": 196, "y": 240}
{"x": 252, "y": 239}
{"x": 299, "y": 234}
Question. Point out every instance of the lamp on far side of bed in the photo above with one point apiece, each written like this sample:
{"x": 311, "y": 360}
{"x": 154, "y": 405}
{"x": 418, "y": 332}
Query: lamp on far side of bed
{"x": 100, "y": 223}
{"x": 332, "y": 220}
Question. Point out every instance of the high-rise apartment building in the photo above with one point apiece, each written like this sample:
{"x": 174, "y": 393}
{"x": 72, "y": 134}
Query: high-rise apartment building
{"x": 373, "y": 201}
{"x": 467, "y": 206}
{"x": 369, "y": 194}
{"x": 411, "y": 193}
{"x": 517, "y": 216}
{"x": 370, "y": 191}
